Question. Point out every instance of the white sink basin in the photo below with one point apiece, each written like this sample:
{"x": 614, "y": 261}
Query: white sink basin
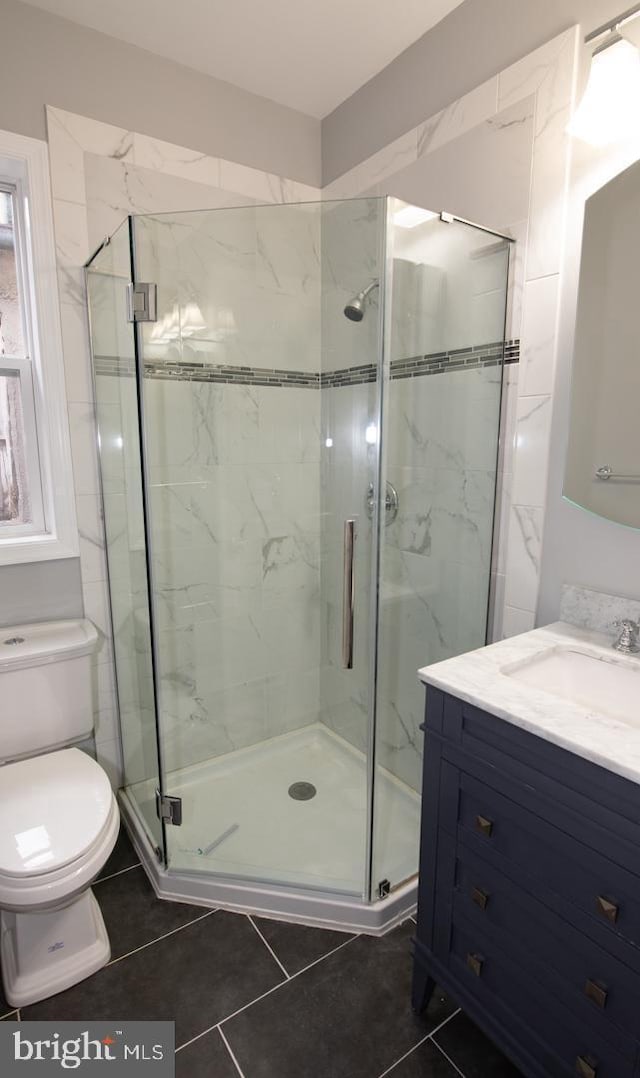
{"x": 609, "y": 686}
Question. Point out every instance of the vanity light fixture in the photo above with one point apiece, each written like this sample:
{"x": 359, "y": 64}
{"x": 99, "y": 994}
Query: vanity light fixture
{"x": 610, "y": 107}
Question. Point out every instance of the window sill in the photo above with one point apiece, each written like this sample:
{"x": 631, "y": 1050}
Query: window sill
{"x": 31, "y": 548}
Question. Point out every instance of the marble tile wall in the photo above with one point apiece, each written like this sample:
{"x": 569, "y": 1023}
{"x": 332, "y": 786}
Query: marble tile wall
{"x": 233, "y": 496}
{"x": 252, "y": 276}
{"x": 537, "y": 93}
{"x": 440, "y": 452}
{"x": 234, "y": 473}
{"x": 235, "y": 519}
{"x": 352, "y": 256}
{"x": 347, "y": 469}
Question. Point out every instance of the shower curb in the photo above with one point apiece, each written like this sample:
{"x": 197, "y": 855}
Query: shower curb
{"x": 316, "y": 909}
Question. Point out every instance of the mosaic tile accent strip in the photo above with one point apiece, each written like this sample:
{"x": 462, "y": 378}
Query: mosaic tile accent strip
{"x": 255, "y": 376}
{"x": 116, "y": 365}
{"x": 486, "y": 355}
{"x": 349, "y": 376}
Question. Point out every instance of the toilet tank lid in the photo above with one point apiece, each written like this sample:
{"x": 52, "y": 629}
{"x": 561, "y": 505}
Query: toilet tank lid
{"x": 45, "y": 642}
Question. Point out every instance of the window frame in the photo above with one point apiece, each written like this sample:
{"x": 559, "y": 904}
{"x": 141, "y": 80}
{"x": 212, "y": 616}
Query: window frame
{"x": 24, "y": 165}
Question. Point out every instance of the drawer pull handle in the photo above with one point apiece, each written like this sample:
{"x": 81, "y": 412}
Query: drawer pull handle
{"x": 480, "y": 897}
{"x": 484, "y": 825}
{"x": 607, "y": 909}
{"x": 586, "y": 1067}
{"x": 596, "y": 993}
{"x": 474, "y": 962}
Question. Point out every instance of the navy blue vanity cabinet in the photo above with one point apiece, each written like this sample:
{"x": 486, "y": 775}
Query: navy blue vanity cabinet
{"x": 529, "y": 895}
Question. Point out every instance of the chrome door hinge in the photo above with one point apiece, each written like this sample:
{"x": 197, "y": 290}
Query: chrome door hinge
{"x": 391, "y": 502}
{"x": 169, "y": 808}
{"x": 142, "y": 302}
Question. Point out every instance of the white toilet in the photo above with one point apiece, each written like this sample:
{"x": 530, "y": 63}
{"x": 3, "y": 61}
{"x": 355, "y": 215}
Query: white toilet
{"x": 58, "y": 816}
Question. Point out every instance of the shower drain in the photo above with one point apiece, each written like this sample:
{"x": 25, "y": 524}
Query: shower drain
{"x": 302, "y": 791}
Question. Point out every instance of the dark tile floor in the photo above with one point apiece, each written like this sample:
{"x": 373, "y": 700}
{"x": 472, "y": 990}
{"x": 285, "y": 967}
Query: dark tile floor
{"x": 266, "y": 999}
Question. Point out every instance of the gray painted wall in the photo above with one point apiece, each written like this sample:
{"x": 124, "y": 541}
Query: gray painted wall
{"x": 477, "y": 39}
{"x": 48, "y": 60}
{"x": 578, "y": 547}
{"x": 40, "y": 591}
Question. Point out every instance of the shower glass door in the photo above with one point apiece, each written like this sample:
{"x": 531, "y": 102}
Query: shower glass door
{"x": 117, "y": 413}
{"x": 446, "y": 323}
{"x": 298, "y": 463}
{"x": 261, "y": 412}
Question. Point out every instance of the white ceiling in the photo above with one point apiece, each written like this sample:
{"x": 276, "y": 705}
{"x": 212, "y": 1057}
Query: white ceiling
{"x": 307, "y": 54}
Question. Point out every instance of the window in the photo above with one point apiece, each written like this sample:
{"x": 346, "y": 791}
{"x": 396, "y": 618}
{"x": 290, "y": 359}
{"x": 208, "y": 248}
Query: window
{"x": 36, "y": 514}
{"x": 21, "y": 508}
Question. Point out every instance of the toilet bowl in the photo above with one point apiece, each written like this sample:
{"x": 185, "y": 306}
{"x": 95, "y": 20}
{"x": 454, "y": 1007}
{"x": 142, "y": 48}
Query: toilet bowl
{"x": 58, "y": 816}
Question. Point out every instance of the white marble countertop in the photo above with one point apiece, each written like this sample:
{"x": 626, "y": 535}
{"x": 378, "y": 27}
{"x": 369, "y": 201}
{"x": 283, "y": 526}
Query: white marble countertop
{"x": 477, "y": 677}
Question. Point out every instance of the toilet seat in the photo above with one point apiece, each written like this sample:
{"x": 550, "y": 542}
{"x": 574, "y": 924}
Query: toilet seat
{"x": 58, "y": 824}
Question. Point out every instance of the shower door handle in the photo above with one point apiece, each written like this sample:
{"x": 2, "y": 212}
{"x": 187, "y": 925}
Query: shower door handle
{"x": 348, "y": 595}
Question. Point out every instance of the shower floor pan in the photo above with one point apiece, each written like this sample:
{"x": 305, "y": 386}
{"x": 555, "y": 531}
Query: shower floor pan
{"x": 242, "y": 827}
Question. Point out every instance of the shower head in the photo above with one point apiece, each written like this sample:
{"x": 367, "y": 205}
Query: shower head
{"x": 356, "y": 307}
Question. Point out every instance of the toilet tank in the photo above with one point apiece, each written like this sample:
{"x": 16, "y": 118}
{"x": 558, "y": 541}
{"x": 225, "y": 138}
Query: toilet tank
{"x": 46, "y": 698}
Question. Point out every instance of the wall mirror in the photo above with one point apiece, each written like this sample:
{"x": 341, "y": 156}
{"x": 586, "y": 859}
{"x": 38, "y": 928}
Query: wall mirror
{"x": 603, "y": 458}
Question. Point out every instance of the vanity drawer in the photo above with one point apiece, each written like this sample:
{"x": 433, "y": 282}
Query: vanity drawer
{"x": 577, "y": 1048}
{"x": 600, "y": 989}
{"x": 544, "y": 858}
{"x": 593, "y": 805}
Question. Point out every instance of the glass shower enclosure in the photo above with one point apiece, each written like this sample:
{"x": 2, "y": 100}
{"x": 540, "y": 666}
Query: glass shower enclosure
{"x": 298, "y": 409}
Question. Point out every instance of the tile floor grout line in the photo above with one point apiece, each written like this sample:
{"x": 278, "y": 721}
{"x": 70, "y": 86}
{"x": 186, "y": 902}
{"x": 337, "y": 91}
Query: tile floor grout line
{"x": 228, "y": 1047}
{"x": 197, "y": 1037}
{"x": 427, "y": 1037}
{"x": 405, "y": 1056}
{"x": 264, "y": 995}
{"x": 269, "y": 948}
{"x": 282, "y": 983}
{"x": 444, "y": 1021}
{"x": 449, "y": 1059}
{"x": 120, "y": 872}
{"x": 158, "y": 939}
{"x": 322, "y": 957}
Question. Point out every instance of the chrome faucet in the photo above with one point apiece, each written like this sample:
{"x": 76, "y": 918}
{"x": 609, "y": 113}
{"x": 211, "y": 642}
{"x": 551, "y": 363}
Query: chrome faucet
{"x": 627, "y": 641}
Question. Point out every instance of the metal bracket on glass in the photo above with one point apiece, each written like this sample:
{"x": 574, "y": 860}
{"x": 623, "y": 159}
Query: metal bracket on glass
{"x": 391, "y": 502}
{"x": 605, "y": 471}
{"x": 142, "y": 302}
{"x": 169, "y": 808}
